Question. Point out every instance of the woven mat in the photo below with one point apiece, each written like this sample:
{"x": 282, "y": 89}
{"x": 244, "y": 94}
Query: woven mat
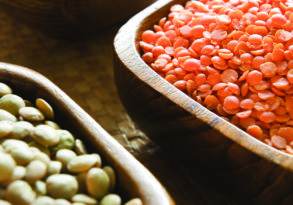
{"x": 83, "y": 69}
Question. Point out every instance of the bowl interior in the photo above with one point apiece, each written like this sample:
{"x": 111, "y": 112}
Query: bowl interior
{"x": 133, "y": 179}
{"x": 32, "y": 91}
{"x": 127, "y": 48}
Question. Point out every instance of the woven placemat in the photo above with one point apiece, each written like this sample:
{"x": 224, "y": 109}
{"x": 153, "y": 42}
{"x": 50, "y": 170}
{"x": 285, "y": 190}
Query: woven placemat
{"x": 83, "y": 69}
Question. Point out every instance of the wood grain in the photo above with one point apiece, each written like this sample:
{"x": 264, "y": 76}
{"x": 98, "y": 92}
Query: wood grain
{"x": 198, "y": 135}
{"x": 133, "y": 177}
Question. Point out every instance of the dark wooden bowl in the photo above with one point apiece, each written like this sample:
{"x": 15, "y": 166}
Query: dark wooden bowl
{"x": 134, "y": 179}
{"x": 73, "y": 17}
{"x": 191, "y": 131}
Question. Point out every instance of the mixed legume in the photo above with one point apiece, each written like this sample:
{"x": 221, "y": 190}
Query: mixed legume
{"x": 233, "y": 56}
{"x": 41, "y": 164}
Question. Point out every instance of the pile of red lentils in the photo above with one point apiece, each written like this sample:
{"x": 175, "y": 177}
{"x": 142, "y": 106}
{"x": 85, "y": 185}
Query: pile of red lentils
{"x": 235, "y": 57}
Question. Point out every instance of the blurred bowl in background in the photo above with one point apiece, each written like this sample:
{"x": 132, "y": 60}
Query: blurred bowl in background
{"x": 69, "y": 17}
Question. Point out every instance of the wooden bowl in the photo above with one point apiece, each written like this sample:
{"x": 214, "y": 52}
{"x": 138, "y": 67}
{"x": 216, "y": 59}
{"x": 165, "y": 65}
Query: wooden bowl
{"x": 72, "y": 17}
{"x": 134, "y": 180}
{"x": 191, "y": 131}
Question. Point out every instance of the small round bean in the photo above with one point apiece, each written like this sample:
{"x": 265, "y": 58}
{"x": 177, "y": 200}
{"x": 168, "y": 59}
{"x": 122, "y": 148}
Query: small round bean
{"x": 31, "y": 114}
{"x": 45, "y": 108}
{"x": 11, "y": 103}
{"x": 82, "y": 163}
{"x": 134, "y": 202}
{"x": 45, "y": 135}
{"x": 35, "y": 170}
{"x": 82, "y": 198}
{"x": 62, "y": 186}
{"x": 19, "y": 150}
{"x": 4, "y": 89}
{"x": 65, "y": 156}
{"x": 98, "y": 183}
{"x": 111, "y": 199}
{"x": 7, "y": 166}
{"x": 20, "y": 192}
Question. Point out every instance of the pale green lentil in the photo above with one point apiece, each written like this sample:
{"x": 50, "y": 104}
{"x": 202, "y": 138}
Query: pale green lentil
{"x": 134, "y": 202}
{"x": 52, "y": 124}
{"x": 82, "y": 163}
{"x": 2, "y": 202}
{"x": 35, "y": 170}
{"x": 79, "y": 147}
{"x": 31, "y": 114}
{"x": 6, "y": 116}
{"x": 40, "y": 187}
{"x": 62, "y": 202}
{"x": 5, "y": 128}
{"x": 37, "y": 157}
{"x": 44, "y": 200}
{"x": 65, "y": 156}
{"x": 11, "y": 103}
{"x": 45, "y": 135}
{"x": 66, "y": 140}
{"x": 20, "y": 192}
{"x": 98, "y": 183}
{"x": 82, "y": 198}
{"x": 18, "y": 173}
{"x": 54, "y": 167}
{"x": 21, "y": 130}
{"x": 4, "y": 89}
{"x": 62, "y": 186}
{"x": 7, "y": 166}
{"x": 111, "y": 174}
{"x": 19, "y": 150}
{"x": 111, "y": 199}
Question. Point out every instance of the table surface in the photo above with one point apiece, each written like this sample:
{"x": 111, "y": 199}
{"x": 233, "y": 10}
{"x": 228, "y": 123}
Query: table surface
{"x": 83, "y": 69}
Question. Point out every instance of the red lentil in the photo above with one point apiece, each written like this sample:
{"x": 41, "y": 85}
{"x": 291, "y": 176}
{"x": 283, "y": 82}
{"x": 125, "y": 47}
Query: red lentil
{"x": 233, "y": 56}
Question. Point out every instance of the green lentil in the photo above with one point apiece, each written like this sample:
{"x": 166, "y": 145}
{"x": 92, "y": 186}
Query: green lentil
{"x": 42, "y": 164}
{"x": 20, "y": 192}
{"x": 66, "y": 140}
{"x": 62, "y": 202}
{"x": 35, "y": 170}
{"x": 19, "y": 150}
{"x": 45, "y": 135}
{"x": 62, "y": 186}
{"x": 21, "y": 130}
{"x": 134, "y": 202}
{"x": 2, "y": 202}
{"x": 52, "y": 124}
{"x": 111, "y": 199}
{"x": 7, "y": 165}
{"x": 4, "y": 89}
{"x": 40, "y": 188}
{"x": 31, "y": 114}
{"x": 11, "y": 103}
{"x": 5, "y": 128}
{"x": 98, "y": 183}
{"x": 111, "y": 174}
{"x": 6, "y": 116}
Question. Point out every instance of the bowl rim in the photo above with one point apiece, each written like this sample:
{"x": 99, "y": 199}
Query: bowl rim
{"x": 126, "y": 48}
{"x": 140, "y": 182}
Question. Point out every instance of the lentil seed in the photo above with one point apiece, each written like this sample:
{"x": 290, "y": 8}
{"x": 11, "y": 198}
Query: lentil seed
{"x": 249, "y": 48}
{"x": 36, "y": 159}
{"x": 45, "y": 108}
